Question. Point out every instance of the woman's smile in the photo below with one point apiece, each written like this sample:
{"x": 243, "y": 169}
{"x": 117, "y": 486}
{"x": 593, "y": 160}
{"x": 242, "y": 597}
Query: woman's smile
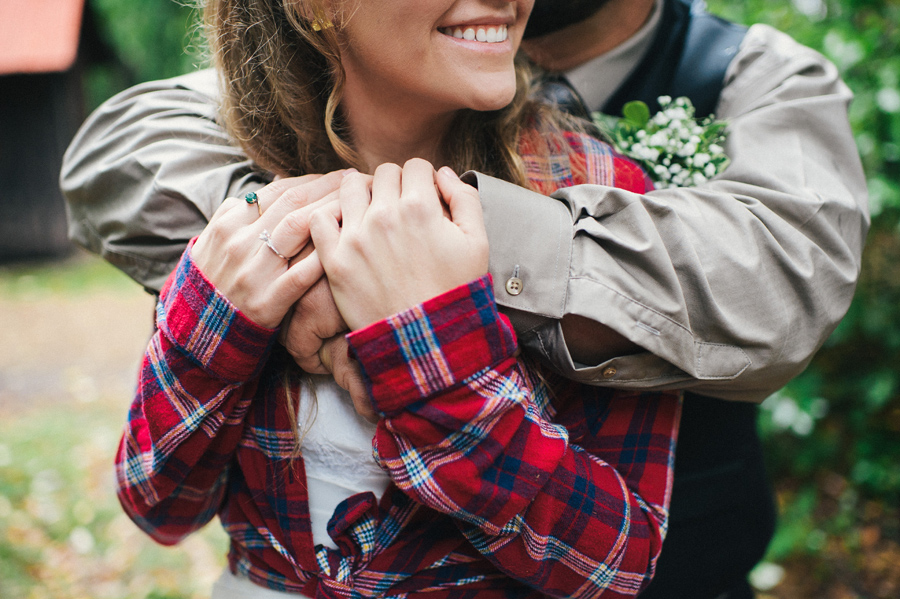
{"x": 490, "y": 34}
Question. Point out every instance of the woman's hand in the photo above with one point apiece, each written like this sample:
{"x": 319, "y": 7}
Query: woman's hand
{"x": 396, "y": 248}
{"x": 233, "y": 254}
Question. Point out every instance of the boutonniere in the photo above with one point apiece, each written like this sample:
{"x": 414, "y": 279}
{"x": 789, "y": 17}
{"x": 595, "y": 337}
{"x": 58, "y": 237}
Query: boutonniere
{"x": 676, "y": 148}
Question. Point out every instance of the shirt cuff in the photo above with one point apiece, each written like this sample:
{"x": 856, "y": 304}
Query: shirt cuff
{"x": 512, "y": 215}
{"x": 432, "y": 347}
{"x": 208, "y": 328}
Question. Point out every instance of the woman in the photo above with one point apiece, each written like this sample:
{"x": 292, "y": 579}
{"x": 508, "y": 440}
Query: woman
{"x": 490, "y": 484}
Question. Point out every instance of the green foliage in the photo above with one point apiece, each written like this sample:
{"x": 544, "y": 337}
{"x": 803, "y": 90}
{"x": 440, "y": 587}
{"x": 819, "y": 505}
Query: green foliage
{"x": 840, "y": 420}
{"x": 151, "y": 39}
{"x": 675, "y": 147}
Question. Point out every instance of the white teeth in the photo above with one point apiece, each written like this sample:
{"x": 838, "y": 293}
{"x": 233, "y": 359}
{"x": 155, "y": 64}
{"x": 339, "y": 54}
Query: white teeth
{"x": 490, "y": 35}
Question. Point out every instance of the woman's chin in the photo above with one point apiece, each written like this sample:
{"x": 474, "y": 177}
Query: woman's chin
{"x": 498, "y": 100}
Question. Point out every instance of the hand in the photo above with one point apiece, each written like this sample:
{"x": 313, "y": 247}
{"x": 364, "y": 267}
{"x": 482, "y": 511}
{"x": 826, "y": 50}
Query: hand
{"x": 312, "y": 320}
{"x": 396, "y": 249}
{"x": 230, "y": 253}
{"x": 335, "y": 358}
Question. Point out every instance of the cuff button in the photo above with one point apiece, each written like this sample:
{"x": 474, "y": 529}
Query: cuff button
{"x": 608, "y": 373}
{"x": 514, "y": 286}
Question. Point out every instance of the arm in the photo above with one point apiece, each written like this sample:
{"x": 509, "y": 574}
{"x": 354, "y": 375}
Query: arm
{"x": 146, "y": 172}
{"x": 730, "y": 287}
{"x": 217, "y": 320}
{"x": 467, "y": 432}
{"x": 188, "y": 415}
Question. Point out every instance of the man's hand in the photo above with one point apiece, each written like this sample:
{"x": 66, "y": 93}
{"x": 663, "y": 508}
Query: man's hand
{"x": 314, "y": 336}
{"x": 335, "y": 358}
{"x": 312, "y": 320}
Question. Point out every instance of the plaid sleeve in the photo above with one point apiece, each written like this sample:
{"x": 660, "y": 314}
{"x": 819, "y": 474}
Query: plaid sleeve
{"x": 186, "y": 419}
{"x": 469, "y": 432}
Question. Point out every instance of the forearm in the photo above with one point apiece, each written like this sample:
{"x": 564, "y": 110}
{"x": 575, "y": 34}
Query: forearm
{"x": 468, "y": 433}
{"x": 147, "y": 170}
{"x": 729, "y": 288}
{"x": 187, "y": 417}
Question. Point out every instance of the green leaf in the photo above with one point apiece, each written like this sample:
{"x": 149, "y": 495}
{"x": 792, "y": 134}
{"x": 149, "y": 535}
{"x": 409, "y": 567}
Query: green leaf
{"x": 636, "y": 113}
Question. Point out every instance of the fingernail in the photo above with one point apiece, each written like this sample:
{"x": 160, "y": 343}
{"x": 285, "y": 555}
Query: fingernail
{"x": 449, "y": 172}
{"x": 350, "y": 171}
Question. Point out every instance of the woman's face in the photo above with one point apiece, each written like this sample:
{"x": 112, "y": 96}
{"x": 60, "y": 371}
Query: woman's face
{"x": 430, "y": 55}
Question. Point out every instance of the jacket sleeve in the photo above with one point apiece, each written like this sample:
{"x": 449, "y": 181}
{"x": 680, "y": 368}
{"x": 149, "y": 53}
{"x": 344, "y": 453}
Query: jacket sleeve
{"x": 147, "y": 170}
{"x": 468, "y": 432}
{"x": 732, "y": 286}
{"x": 187, "y": 417}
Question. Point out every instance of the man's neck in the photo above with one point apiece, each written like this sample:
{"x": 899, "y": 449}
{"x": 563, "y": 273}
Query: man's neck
{"x": 576, "y": 44}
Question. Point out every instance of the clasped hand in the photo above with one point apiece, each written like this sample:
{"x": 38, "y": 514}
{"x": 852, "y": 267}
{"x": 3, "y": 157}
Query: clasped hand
{"x": 385, "y": 242}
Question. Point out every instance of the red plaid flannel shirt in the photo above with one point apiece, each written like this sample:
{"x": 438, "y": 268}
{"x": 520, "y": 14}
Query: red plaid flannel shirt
{"x": 501, "y": 488}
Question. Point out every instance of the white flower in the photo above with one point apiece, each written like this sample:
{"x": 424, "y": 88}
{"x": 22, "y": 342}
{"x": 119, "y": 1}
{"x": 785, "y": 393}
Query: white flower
{"x": 677, "y": 148}
{"x": 688, "y": 149}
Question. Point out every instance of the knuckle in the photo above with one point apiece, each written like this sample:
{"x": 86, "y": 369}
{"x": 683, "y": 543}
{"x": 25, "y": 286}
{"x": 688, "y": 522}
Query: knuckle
{"x": 417, "y": 163}
{"x": 387, "y": 168}
{"x": 294, "y": 197}
{"x": 297, "y": 222}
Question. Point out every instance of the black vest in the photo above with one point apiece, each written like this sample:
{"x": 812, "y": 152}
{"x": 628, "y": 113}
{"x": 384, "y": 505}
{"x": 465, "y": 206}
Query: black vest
{"x": 722, "y": 514}
{"x": 688, "y": 57}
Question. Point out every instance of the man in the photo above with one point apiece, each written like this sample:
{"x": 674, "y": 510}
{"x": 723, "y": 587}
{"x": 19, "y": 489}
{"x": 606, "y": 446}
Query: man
{"x": 725, "y": 290}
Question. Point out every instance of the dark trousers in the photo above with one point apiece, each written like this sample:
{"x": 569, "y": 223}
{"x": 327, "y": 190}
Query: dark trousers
{"x": 723, "y": 513}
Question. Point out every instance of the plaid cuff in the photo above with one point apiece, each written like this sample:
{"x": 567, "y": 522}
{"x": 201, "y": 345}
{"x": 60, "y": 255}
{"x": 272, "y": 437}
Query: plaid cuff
{"x": 207, "y": 327}
{"x": 432, "y": 347}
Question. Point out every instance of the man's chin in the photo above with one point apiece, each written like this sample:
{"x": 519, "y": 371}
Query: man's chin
{"x": 552, "y": 15}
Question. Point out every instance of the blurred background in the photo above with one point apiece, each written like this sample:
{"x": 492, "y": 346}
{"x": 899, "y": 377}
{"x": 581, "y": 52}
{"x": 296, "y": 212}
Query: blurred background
{"x": 72, "y": 328}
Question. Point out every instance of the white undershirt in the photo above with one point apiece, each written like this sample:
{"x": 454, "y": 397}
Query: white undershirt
{"x": 615, "y": 65}
{"x": 337, "y": 453}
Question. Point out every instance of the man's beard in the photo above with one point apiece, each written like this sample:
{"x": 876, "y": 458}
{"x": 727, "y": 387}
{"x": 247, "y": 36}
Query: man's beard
{"x": 552, "y": 15}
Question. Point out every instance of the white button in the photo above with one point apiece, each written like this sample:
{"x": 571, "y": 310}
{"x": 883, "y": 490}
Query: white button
{"x": 514, "y": 286}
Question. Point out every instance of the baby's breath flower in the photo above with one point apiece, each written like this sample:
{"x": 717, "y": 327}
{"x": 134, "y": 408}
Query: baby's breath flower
{"x": 675, "y": 147}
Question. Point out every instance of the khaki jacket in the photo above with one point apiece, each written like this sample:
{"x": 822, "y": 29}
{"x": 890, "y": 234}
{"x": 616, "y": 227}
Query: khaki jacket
{"x": 730, "y": 287}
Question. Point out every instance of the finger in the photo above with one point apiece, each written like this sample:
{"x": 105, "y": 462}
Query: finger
{"x": 325, "y": 233}
{"x": 296, "y": 196}
{"x": 266, "y": 195}
{"x": 291, "y": 285}
{"x": 419, "y": 191}
{"x": 356, "y": 194}
{"x": 291, "y": 235}
{"x": 348, "y": 375}
{"x": 386, "y": 185}
{"x": 461, "y": 199}
{"x": 315, "y": 319}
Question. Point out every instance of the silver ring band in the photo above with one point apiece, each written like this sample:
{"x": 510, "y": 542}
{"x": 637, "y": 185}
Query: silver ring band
{"x": 267, "y": 239}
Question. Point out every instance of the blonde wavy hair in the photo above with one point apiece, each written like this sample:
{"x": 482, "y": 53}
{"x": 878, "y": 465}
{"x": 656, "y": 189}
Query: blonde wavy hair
{"x": 282, "y": 83}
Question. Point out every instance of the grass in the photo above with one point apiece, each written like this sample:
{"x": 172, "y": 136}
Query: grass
{"x": 62, "y": 532}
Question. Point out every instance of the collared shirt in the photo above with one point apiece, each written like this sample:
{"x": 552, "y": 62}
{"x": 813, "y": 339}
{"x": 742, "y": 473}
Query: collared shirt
{"x": 500, "y": 488}
{"x": 616, "y": 65}
{"x": 729, "y": 287}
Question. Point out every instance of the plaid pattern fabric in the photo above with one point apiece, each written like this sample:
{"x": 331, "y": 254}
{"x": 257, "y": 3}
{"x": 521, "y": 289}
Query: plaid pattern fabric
{"x": 501, "y": 489}
{"x": 575, "y": 158}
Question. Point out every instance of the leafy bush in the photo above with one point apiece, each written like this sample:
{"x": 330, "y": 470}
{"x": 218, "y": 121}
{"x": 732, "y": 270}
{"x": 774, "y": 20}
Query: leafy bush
{"x": 832, "y": 434}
